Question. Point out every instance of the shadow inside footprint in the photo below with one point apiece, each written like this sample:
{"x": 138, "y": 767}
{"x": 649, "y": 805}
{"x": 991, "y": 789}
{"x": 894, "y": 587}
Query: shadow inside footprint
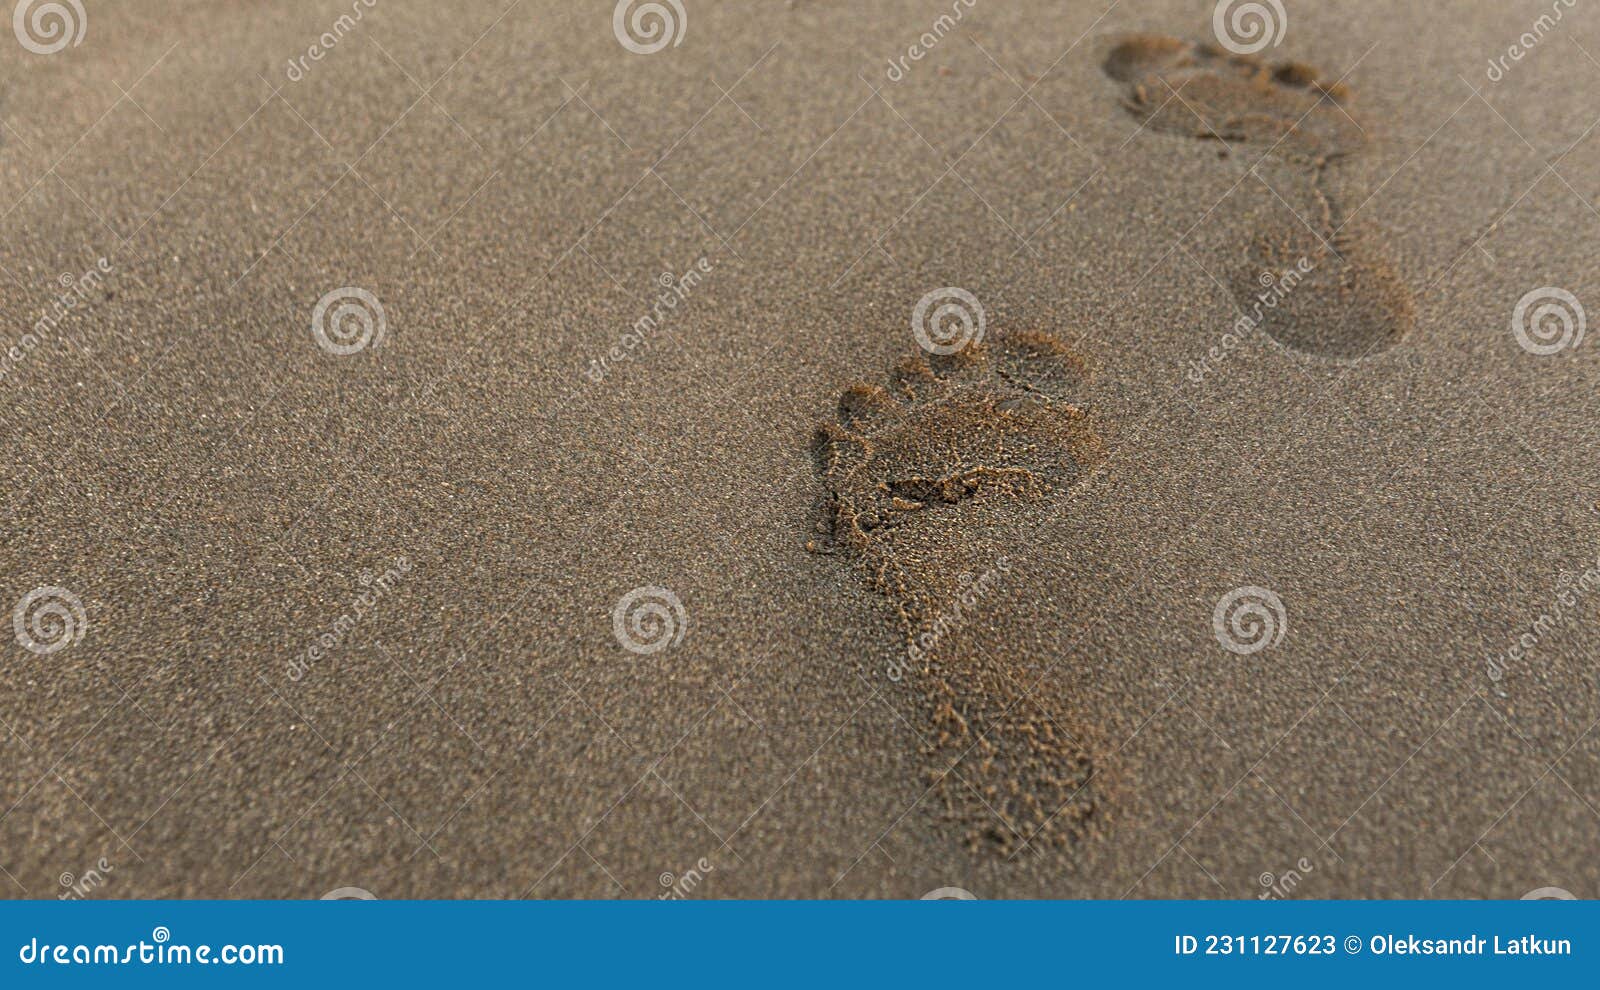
{"x": 923, "y": 475}
{"x": 1204, "y": 92}
{"x": 1348, "y": 300}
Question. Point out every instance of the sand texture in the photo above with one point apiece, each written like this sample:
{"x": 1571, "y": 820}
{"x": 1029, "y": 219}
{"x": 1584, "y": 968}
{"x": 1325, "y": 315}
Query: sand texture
{"x": 799, "y": 449}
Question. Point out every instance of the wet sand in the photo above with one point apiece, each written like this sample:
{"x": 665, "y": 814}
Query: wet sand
{"x": 480, "y": 460}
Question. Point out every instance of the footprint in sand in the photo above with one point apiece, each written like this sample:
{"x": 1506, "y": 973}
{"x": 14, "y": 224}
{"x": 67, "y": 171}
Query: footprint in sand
{"x": 923, "y": 473}
{"x": 1353, "y": 302}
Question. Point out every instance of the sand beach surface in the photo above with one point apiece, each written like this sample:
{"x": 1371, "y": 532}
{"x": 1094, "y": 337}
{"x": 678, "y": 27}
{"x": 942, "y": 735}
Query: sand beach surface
{"x": 811, "y": 449}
